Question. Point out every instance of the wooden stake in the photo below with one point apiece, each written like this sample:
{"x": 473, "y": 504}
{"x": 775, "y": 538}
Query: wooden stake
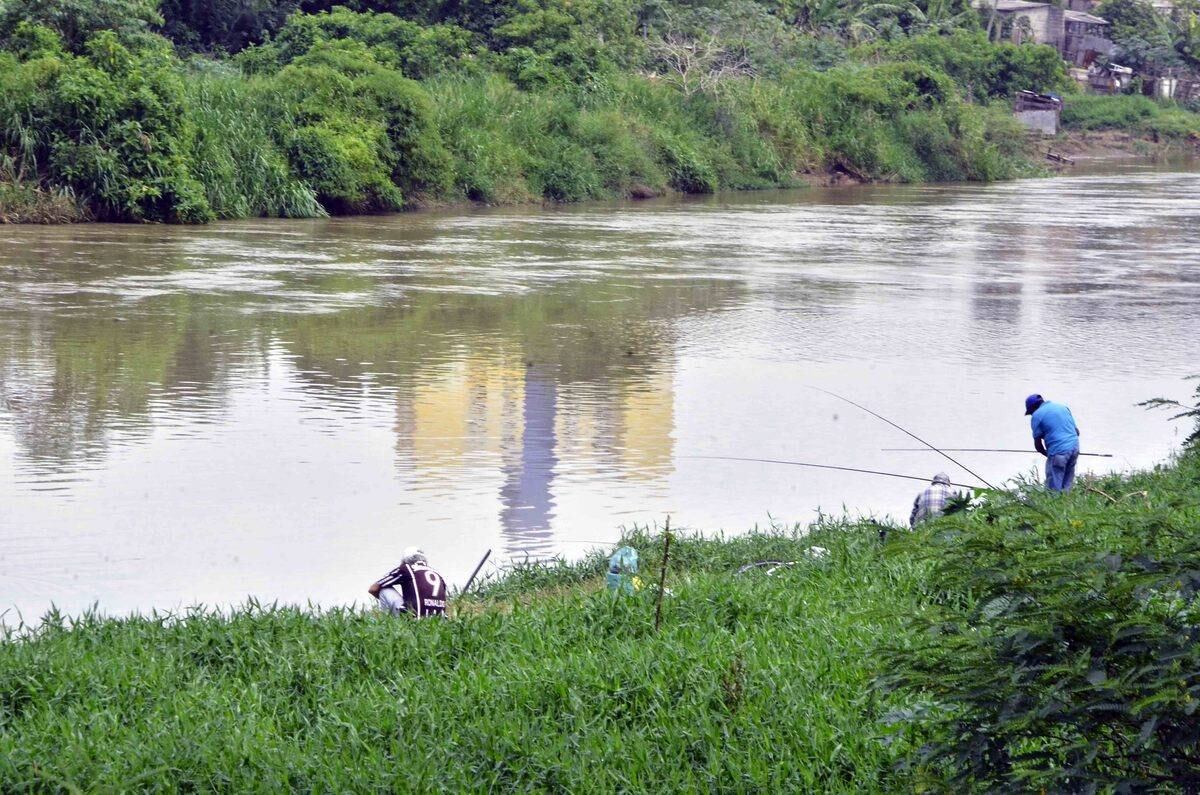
{"x": 662, "y": 578}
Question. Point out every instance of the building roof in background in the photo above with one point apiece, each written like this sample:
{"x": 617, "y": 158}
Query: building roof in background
{"x": 1008, "y": 5}
{"x": 1079, "y": 16}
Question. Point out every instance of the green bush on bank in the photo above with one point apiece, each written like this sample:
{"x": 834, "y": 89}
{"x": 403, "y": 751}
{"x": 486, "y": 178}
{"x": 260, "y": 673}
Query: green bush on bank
{"x": 983, "y": 69}
{"x": 327, "y": 118}
{"x": 1130, "y": 113}
{"x": 110, "y": 125}
{"x": 1057, "y": 649}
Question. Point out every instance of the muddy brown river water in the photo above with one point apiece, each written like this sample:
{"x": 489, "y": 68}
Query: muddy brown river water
{"x": 274, "y": 409}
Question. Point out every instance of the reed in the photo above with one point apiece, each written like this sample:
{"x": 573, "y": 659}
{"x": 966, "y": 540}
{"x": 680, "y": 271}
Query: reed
{"x": 243, "y": 170}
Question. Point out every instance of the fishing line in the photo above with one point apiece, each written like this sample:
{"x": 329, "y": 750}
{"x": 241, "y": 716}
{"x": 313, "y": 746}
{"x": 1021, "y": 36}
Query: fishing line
{"x": 907, "y": 432}
{"x": 825, "y": 466}
{"x": 977, "y": 450}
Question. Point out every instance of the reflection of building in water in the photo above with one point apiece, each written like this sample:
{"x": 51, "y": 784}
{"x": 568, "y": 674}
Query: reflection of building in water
{"x": 630, "y": 425}
{"x": 496, "y": 408}
{"x": 470, "y": 406}
{"x": 528, "y": 505}
{"x": 648, "y": 424}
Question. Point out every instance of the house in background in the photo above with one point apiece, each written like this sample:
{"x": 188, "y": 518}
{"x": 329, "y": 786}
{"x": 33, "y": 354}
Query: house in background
{"x": 1084, "y": 37}
{"x": 1081, "y": 38}
{"x": 1077, "y": 35}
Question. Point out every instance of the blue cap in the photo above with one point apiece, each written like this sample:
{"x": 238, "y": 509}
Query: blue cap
{"x": 1031, "y": 404}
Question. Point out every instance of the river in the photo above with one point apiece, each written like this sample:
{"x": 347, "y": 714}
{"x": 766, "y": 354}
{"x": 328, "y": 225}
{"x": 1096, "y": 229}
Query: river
{"x": 276, "y": 408}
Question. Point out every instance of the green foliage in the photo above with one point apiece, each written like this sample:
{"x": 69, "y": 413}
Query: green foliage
{"x": 376, "y": 106}
{"x": 110, "y": 126}
{"x": 1058, "y": 651}
{"x": 1139, "y": 114}
{"x": 1143, "y": 35}
{"x": 980, "y": 68}
{"x": 76, "y": 21}
{"x": 422, "y": 163}
{"x": 357, "y": 131}
{"x": 419, "y": 51}
{"x": 222, "y": 25}
{"x": 754, "y": 682}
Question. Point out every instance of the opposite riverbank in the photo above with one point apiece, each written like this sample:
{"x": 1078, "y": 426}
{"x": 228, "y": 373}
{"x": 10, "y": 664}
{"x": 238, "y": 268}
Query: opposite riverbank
{"x": 1029, "y": 641}
{"x": 124, "y": 113}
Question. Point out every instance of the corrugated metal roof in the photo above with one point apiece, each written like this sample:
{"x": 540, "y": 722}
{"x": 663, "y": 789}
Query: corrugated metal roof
{"x": 1008, "y": 5}
{"x": 1079, "y": 16}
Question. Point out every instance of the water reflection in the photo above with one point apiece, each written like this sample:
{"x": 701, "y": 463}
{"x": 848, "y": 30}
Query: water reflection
{"x": 183, "y": 411}
{"x": 528, "y": 475}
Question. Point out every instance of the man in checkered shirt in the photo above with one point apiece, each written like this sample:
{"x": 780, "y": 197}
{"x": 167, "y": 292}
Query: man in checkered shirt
{"x": 932, "y": 502}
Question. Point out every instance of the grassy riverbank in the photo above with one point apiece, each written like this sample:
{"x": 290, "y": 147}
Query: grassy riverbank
{"x": 1034, "y": 641}
{"x": 133, "y": 110}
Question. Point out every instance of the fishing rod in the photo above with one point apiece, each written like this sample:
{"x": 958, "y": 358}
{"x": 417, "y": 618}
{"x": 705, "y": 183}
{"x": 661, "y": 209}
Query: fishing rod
{"x": 977, "y": 450}
{"x": 482, "y": 561}
{"x": 907, "y": 432}
{"x": 821, "y": 466}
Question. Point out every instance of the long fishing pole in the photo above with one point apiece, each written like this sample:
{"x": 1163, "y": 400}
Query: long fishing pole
{"x": 821, "y": 466}
{"x": 977, "y": 450}
{"x": 482, "y": 561}
{"x": 907, "y": 432}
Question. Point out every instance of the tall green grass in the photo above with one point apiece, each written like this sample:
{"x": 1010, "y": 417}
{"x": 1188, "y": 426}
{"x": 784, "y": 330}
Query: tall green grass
{"x": 235, "y": 157}
{"x": 754, "y": 682}
{"x": 1129, "y": 113}
{"x": 1034, "y": 641}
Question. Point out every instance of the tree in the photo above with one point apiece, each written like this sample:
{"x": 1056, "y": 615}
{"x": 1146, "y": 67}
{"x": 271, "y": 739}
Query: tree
{"x": 76, "y": 20}
{"x": 1142, "y": 35}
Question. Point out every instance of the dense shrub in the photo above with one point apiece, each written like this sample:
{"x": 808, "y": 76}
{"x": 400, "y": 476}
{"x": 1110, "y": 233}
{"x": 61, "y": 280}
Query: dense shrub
{"x": 110, "y": 125}
{"x": 76, "y": 21}
{"x": 358, "y": 132}
{"x": 1060, "y": 648}
{"x": 222, "y": 25}
{"x": 981, "y": 68}
{"x": 419, "y": 51}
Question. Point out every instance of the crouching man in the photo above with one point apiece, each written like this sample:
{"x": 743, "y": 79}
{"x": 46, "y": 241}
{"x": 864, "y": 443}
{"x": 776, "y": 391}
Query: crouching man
{"x": 931, "y": 503}
{"x": 411, "y": 588}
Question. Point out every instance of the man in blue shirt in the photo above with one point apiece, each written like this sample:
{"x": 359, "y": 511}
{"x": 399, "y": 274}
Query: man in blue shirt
{"x": 1056, "y": 436}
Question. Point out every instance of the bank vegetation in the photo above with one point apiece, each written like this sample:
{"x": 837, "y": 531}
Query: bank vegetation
{"x": 131, "y": 110}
